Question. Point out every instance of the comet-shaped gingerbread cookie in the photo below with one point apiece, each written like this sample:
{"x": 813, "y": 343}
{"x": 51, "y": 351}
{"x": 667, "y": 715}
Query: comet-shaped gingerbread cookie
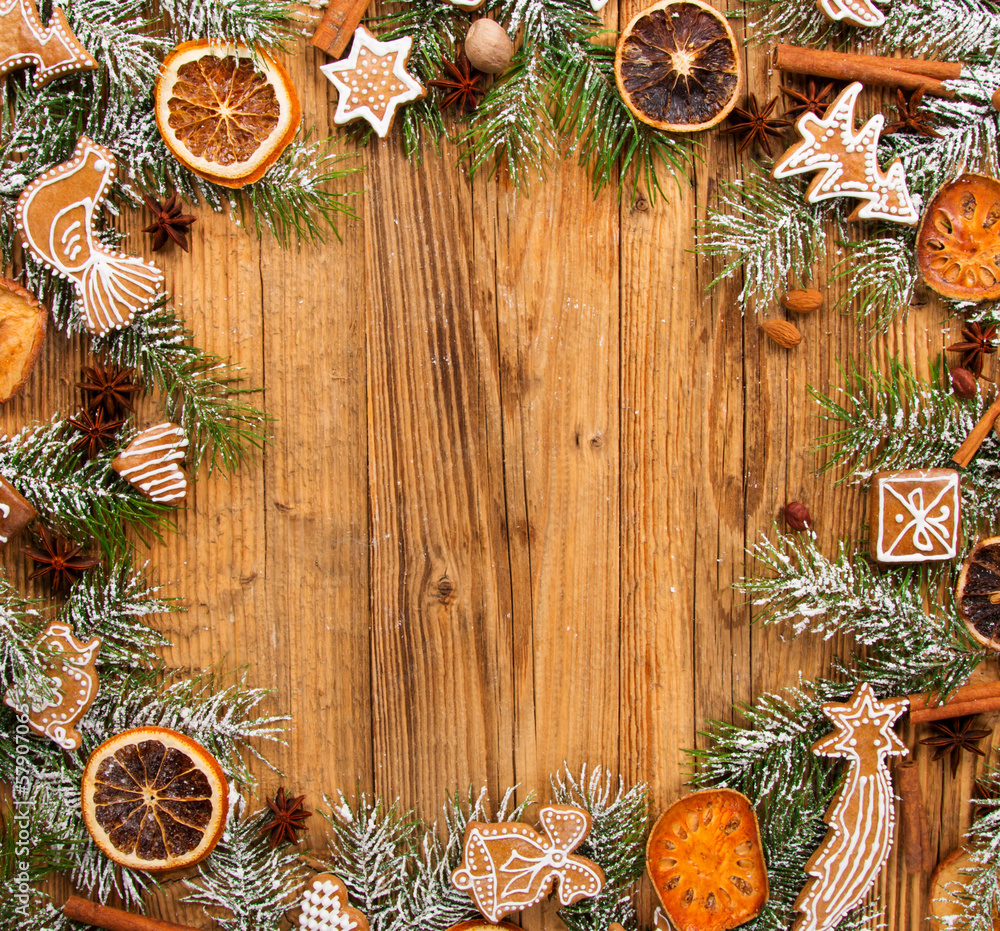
{"x": 55, "y": 217}
{"x": 862, "y": 818}
{"x": 24, "y": 41}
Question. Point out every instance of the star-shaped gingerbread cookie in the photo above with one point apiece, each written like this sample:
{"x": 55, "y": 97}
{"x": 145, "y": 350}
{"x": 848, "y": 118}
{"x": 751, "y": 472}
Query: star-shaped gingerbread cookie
{"x": 372, "y": 82}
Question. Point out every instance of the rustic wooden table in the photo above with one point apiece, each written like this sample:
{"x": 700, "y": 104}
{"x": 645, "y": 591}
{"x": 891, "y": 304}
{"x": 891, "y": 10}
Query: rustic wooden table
{"x": 518, "y": 453}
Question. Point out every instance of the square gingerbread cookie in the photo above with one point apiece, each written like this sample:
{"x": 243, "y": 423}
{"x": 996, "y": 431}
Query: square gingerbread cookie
{"x": 915, "y": 515}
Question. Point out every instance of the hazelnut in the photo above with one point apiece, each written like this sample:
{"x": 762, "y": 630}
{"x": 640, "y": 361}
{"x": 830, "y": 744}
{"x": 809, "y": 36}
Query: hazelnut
{"x": 797, "y": 516}
{"x": 488, "y": 47}
{"x": 963, "y": 383}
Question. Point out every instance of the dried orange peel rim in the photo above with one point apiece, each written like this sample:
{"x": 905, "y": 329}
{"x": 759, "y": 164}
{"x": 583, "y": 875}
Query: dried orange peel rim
{"x": 748, "y": 831}
{"x": 206, "y": 765}
{"x": 953, "y": 239}
{"x": 270, "y": 147}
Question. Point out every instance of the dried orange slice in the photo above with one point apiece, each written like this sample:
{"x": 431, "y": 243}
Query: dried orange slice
{"x": 977, "y": 593}
{"x": 705, "y": 859}
{"x": 22, "y": 331}
{"x": 154, "y": 799}
{"x": 225, "y": 113}
{"x": 947, "y": 888}
{"x": 958, "y": 243}
{"x": 677, "y": 66}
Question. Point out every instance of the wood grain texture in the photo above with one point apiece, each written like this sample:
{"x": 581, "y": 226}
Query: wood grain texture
{"x": 518, "y": 454}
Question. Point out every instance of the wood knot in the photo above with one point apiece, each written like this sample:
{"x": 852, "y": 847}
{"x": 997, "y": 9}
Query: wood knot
{"x": 640, "y": 204}
{"x": 597, "y": 440}
{"x": 445, "y": 590}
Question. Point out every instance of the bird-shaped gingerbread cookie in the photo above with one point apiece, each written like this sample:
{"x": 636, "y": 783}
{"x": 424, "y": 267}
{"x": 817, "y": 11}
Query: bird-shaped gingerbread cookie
{"x": 55, "y": 218}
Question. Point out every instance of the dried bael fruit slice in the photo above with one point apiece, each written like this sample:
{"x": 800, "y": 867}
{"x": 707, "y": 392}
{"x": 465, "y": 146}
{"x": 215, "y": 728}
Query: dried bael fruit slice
{"x": 223, "y": 113}
{"x": 677, "y": 67}
{"x": 958, "y": 243}
{"x": 154, "y": 799}
{"x": 978, "y": 592}
{"x": 22, "y": 332}
{"x": 705, "y": 859}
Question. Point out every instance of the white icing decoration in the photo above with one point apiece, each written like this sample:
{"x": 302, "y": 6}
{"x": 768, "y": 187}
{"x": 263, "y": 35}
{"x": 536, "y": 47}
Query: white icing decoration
{"x": 855, "y": 12}
{"x": 111, "y": 286}
{"x": 862, "y": 817}
{"x": 885, "y": 196}
{"x": 54, "y": 50}
{"x": 324, "y": 907}
{"x": 360, "y": 76}
{"x": 159, "y": 448}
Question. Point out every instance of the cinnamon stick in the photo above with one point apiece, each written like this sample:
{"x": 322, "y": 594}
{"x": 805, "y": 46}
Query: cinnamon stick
{"x": 909, "y": 74}
{"x": 917, "y": 854}
{"x": 970, "y": 699}
{"x": 114, "y": 919}
{"x": 979, "y": 433}
{"x": 336, "y": 28}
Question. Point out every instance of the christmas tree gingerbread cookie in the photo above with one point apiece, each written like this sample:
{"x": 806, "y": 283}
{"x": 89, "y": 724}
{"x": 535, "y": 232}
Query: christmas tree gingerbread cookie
{"x": 56, "y": 216}
{"x": 24, "y": 41}
{"x": 508, "y": 867}
{"x": 69, "y": 665}
{"x": 372, "y": 82}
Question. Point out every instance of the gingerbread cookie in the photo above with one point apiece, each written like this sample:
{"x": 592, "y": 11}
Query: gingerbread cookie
{"x": 55, "y": 218}
{"x": 848, "y": 161}
{"x": 855, "y": 12}
{"x": 15, "y": 511}
{"x": 324, "y": 907}
{"x": 372, "y": 82}
{"x": 24, "y": 41}
{"x": 70, "y": 666}
{"x": 914, "y": 515}
{"x": 508, "y": 867}
{"x": 862, "y": 817}
{"x": 149, "y": 463}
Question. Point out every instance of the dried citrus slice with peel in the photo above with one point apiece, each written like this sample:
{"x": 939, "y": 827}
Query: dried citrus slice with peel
{"x": 677, "y": 66}
{"x": 224, "y": 112}
{"x": 154, "y": 799}
{"x": 705, "y": 859}
{"x": 958, "y": 243}
{"x": 977, "y": 593}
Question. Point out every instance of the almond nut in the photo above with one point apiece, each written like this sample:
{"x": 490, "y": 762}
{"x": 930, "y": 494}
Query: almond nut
{"x": 803, "y": 302}
{"x": 783, "y": 332}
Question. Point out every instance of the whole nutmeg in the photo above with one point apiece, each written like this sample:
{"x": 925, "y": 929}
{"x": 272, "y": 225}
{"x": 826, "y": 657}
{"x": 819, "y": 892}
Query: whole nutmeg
{"x": 783, "y": 332}
{"x": 804, "y": 301}
{"x": 797, "y": 516}
{"x": 488, "y": 47}
{"x": 963, "y": 382}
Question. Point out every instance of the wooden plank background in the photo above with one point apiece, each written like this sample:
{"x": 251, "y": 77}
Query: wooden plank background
{"x": 518, "y": 455}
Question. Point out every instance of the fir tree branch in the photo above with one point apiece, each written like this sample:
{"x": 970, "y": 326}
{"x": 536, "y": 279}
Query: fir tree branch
{"x": 259, "y": 24}
{"x": 245, "y": 885}
{"x": 768, "y": 232}
{"x": 21, "y": 659}
{"x": 201, "y": 389}
{"x": 84, "y": 499}
{"x": 879, "y": 276}
{"x": 981, "y": 892}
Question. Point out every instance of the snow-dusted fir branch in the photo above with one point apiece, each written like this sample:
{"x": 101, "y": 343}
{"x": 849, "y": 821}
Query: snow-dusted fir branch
{"x": 116, "y": 603}
{"x": 246, "y": 885}
{"x": 260, "y": 24}
{"x": 952, "y": 29}
{"x": 617, "y": 843}
{"x": 981, "y": 885}
{"x": 203, "y": 392}
{"x": 765, "y": 231}
{"x": 878, "y": 273}
{"x": 84, "y": 499}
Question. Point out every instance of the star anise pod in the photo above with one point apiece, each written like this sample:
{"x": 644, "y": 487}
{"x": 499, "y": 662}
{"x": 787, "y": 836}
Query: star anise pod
{"x": 463, "y": 86}
{"x": 977, "y": 342}
{"x": 288, "y": 816}
{"x": 108, "y": 388}
{"x": 954, "y": 737}
{"x": 60, "y": 560}
{"x": 911, "y": 118}
{"x": 755, "y": 124}
{"x": 168, "y": 222}
{"x": 812, "y": 101}
{"x": 98, "y": 432}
